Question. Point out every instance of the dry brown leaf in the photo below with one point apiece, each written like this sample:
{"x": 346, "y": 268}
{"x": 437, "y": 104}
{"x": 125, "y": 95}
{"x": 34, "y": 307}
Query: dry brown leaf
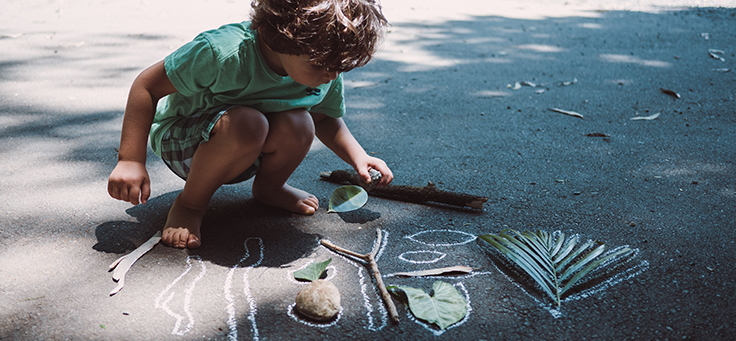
{"x": 566, "y": 112}
{"x": 670, "y": 92}
{"x": 436, "y": 272}
{"x": 647, "y": 118}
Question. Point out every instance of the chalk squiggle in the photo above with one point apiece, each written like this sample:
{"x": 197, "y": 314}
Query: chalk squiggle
{"x": 187, "y": 297}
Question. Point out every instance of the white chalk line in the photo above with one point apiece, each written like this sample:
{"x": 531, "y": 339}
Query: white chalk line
{"x": 618, "y": 278}
{"x": 440, "y": 256}
{"x": 290, "y": 312}
{"x": 232, "y": 321}
{"x": 364, "y": 291}
{"x": 187, "y": 298}
{"x": 469, "y": 237}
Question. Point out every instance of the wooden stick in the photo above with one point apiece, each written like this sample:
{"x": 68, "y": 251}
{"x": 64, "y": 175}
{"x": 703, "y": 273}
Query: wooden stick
{"x": 424, "y": 194}
{"x": 370, "y": 258}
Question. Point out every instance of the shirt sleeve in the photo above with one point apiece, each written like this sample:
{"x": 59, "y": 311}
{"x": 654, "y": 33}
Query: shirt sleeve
{"x": 191, "y": 68}
{"x": 333, "y": 104}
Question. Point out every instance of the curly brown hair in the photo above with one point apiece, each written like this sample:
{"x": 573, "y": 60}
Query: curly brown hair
{"x": 338, "y": 35}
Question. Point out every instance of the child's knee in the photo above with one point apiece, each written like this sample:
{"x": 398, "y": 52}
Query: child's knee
{"x": 248, "y": 126}
{"x": 295, "y": 125}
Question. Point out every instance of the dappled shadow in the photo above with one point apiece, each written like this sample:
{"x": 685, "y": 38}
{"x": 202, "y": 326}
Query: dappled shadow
{"x": 227, "y": 226}
{"x": 439, "y": 104}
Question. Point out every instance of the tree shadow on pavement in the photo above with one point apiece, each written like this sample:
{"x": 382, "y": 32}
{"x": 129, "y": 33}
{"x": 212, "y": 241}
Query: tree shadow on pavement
{"x": 227, "y": 226}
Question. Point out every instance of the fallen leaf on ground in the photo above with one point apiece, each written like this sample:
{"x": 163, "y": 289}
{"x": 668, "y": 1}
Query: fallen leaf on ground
{"x": 312, "y": 272}
{"x": 435, "y": 272}
{"x": 347, "y": 198}
{"x": 648, "y": 118}
{"x": 444, "y": 307}
{"x": 670, "y": 92}
{"x": 715, "y": 56}
{"x": 566, "y": 112}
{"x": 569, "y": 82}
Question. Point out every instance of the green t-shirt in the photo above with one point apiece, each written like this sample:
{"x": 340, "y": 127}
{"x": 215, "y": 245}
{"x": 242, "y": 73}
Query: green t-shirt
{"x": 226, "y": 67}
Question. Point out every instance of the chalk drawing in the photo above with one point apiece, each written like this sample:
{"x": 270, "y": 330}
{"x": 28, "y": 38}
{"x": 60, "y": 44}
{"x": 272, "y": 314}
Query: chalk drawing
{"x": 232, "y": 321}
{"x": 461, "y": 237}
{"x": 629, "y": 273}
{"x": 438, "y": 256}
{"x": 187, "y": 298}
{"x": 367, "y": 289}
{"x": 290, "y": 312}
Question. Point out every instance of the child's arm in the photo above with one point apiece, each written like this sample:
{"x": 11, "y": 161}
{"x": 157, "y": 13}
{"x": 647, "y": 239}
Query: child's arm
{"x": 129, "y": 180}
{"x": 335, "y": 135}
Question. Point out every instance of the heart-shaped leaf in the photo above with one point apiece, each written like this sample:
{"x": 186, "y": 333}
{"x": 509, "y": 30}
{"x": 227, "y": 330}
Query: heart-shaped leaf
{"x": 347, "y": 198}
{"x": 445, "y": 308}
{"x": 312, "y": 272}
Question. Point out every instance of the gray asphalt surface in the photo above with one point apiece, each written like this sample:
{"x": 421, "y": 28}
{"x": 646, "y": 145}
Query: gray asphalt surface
{"x": 436, "y": 105}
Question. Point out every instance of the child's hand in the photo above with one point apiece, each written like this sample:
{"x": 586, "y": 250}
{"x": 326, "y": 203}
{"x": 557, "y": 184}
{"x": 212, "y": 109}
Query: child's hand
{"x": 129, "y": 182}
{"x": 374, "y": 163}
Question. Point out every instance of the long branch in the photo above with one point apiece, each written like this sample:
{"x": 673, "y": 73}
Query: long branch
{"x": 371, "y": 260}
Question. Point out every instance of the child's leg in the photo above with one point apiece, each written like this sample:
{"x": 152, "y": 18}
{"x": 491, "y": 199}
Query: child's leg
{"x": 290, "y": 136}
{"x": 235, "y": 143}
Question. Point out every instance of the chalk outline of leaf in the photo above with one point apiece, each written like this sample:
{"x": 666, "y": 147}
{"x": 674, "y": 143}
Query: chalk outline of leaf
{"x": 347, "y": 198}
{"x": 445, "y": 299}
{"x": 551, "y": 260}
{"x": 313, "y": 271}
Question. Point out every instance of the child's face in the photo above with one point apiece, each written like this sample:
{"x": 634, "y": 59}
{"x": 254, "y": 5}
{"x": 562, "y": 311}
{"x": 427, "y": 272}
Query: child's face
{"x": 303, "y": 72}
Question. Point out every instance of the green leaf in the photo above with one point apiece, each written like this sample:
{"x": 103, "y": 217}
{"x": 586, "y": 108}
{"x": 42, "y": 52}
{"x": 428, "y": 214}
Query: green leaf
{"x": 550, "y": 259}
{"x": 445, "y": 308}
{"x": 347, "y": 198}
{"x": 312, "y": 272}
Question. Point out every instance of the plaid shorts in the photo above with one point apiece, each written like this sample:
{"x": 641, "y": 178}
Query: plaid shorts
{"x": 181, "y": 141}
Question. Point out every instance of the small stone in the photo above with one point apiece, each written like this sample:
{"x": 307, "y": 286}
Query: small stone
{"x": 319, "y": 300}
{"x": 375, "y": 179}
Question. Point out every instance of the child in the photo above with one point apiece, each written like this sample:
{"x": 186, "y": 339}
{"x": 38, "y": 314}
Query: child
{"x": 247, "y": 100}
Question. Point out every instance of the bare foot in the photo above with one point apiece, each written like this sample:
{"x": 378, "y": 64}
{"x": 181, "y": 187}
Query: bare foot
{"x": 288, "y": 198}
{"x": 182, "y": 227}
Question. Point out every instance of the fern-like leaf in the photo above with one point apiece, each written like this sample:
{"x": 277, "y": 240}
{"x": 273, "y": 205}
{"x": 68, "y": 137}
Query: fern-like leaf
{"x": 555, "y": 263}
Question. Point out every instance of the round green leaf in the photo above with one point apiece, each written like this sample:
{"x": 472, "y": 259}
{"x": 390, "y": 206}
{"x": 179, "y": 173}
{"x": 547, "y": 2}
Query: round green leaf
{"x": 445, "y": 308}
{"x": 347, "y": 198}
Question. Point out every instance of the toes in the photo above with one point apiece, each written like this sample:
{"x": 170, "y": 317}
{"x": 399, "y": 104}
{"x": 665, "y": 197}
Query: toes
{"x": 193, "y": 242}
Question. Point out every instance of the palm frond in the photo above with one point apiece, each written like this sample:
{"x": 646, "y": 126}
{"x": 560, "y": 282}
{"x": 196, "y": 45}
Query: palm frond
{"x": 555, "y": 263}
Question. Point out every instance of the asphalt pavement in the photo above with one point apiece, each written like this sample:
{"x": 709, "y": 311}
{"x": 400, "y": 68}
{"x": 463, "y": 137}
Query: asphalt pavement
{"x": 460, "y": 95}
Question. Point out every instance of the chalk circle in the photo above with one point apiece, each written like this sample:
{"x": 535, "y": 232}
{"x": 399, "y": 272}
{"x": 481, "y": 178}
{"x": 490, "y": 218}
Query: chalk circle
{"x": 437, "y": 257}
{"x": 301, "y": 318}
{"x": 442, "y": 237}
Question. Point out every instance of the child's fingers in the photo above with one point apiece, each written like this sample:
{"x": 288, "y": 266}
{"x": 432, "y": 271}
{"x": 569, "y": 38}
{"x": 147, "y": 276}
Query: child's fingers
{"x": 145, "y": 192}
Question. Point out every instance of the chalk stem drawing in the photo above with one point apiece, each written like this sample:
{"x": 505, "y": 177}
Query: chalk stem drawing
{"x": 370, "y": 258}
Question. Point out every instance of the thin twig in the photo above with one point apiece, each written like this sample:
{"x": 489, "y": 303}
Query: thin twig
{"x": 370, "y": 258}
